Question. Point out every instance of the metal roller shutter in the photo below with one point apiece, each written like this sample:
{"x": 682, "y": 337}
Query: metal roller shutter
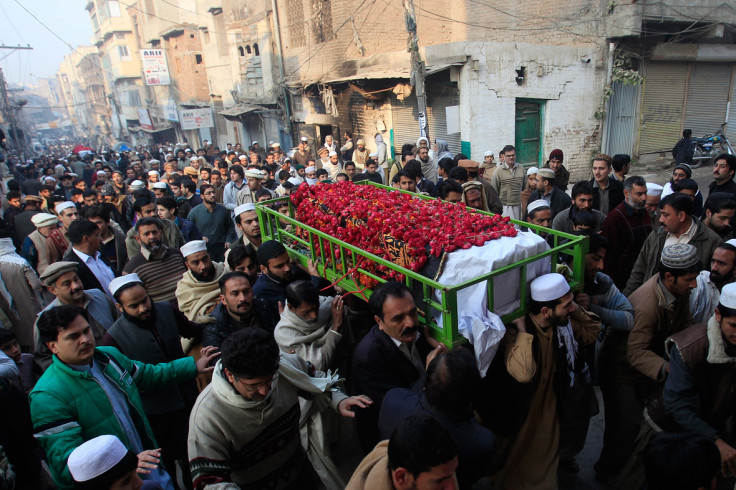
{"x": 707, "y": 95}
{"x": 405, "y": 124}
{"x": 662, "y": 106}
{"x": 438, "y": 120}
{"x": 731, "y": 128}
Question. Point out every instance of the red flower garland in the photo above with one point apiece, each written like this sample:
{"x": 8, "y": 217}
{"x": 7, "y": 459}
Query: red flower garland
{"x": 363, "y": 214}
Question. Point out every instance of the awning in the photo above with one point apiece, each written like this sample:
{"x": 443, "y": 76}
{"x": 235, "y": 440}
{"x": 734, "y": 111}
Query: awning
{"x": 137, "y": 129}
{"x": 234, "y": 112}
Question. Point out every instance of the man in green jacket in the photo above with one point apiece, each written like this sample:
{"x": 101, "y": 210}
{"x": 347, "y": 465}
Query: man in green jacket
{"x": 88, "y": 392}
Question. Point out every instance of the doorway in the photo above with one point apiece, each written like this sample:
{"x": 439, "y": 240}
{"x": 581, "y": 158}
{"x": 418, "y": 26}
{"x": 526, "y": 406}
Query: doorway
{"x": 528, "y": 140}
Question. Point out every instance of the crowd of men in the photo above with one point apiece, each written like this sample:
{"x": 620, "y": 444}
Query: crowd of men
{"x": 151, "y": 338}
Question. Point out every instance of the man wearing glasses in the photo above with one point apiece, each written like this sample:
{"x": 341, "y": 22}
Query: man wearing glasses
{"x": 244, "y": 428}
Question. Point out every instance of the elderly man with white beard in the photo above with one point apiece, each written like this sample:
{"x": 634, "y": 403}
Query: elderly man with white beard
{"x": 310, "y": 325}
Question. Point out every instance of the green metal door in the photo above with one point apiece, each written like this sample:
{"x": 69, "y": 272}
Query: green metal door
{"x": 528, "y": 131}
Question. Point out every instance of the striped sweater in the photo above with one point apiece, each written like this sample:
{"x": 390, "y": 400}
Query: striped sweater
{"x": 159, "y": 276}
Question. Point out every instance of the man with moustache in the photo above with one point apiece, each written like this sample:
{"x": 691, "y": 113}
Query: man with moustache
{"x": 151, "y": 332}
{"x": 429, "y": 166}
{"x": 236, "y": 309}
{"x": 626, "y": 227}
{"x": 704, "y": 298}
{"x": 61, "y": 280}
{"x": 89, "y": 391}
{"x": 198, "y": 291}
{"x": 159, "y": 267}
{"x": 720, "y": 208}
{"x": 394, "y": 354}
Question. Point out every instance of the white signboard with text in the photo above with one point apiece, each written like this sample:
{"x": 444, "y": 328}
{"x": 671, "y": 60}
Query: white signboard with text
{"x": 196, "y": 118}
{"x": 155, "y": 67}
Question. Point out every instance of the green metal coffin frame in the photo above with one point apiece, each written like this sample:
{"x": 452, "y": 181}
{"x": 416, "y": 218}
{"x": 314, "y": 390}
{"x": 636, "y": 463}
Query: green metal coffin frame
{"x": 272, "y": 228}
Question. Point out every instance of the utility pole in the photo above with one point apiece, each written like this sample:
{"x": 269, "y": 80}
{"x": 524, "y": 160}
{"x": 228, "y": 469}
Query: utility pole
{"x": 8, "y": 111}
{"x": 418, "y": 69}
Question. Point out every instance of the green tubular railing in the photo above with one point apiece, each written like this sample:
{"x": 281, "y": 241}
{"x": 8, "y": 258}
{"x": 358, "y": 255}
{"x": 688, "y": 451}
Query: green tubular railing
{"x": 274, "y": 224}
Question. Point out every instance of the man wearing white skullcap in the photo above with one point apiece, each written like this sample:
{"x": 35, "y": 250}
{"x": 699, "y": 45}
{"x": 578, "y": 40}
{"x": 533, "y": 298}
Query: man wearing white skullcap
{"x": 488, "y": 165}
{"x": 654, "y": 193}
{"x": 246, "y": 220}
{"x": 34, "y": 248}
{"x": 58, "y": 240}
{"x": 254, "y": 179}
{"x": 152, "y": 332}
{"x": 537, "y": 355}
{"x": 198, "y": 291}
{"x": 104, "y": 463}
{"x": 531, "y": 186}
{"x": 333, "y": 166}
{"x": 89, "y": 391}
{"x": 539, "y": 213}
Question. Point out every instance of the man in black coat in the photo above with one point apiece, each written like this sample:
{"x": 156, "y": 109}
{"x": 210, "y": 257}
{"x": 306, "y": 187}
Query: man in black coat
{"x": 94, "y": 270}
{"x": 392, "y": 355}
{"x": 607, "y": 192}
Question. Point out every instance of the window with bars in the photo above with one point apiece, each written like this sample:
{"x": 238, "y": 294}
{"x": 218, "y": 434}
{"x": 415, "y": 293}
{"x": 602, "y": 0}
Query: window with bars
{"x": 295, "y": 18}
{"x": 322, "y": 20}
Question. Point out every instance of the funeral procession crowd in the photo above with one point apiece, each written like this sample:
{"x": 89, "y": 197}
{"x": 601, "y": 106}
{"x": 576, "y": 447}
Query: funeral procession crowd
{"x": 152, "y": 338}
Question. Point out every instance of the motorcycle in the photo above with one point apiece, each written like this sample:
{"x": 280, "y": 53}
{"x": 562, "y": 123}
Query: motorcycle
{"x": 710, "y": 146}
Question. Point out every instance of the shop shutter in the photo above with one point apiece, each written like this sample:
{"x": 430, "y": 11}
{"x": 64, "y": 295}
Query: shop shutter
{"x": 731, "y": 128}
{"x": 405, "y": 122}
{"x": 707, "y": 96}
{"x": 438, "y": 120}
{"x": 662, "y": 106}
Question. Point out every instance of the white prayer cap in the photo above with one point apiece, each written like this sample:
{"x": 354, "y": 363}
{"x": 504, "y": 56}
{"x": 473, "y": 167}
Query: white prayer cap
{"x": 728, "y": 295}
{"x": 532, "y": 171}
{"x": 294, "y": 180}
{"x": 333, "y": 154}
{"x": 137, "y": 184}
{"x": 373, "y": 155}
{"x": 159, "y": 185}
{"x": 242, "y": 157}
{"x": 121, "y": 281}
{"x": 304, "y": 139}
{"x": 193, "y": 247}
{"x": 44, "y": 219}
{"x": 489, "y": 153}
{"x": 194, "y": 159}
{"x": 254, "y": 143}
{"x": 654, "y": 189}
{"x": 310, "y": 169}
{"x": 270, "y": 143}
{"x": 276, "y": 145}
{"x": 98, "y": 456}
{"x": 153, "y": 172}
{"x": 244, "y": 208}
{"x": 48, "y": 179}
{"x": 549, "y": 287}
{"x": 101, "y": 172}
{"x": 64, "y": 205}
{"x": 254, "y": 173}
{"x": 534, "y": 205}
{"x": 188, "y": 150}
{"x": 732, "y": 241}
